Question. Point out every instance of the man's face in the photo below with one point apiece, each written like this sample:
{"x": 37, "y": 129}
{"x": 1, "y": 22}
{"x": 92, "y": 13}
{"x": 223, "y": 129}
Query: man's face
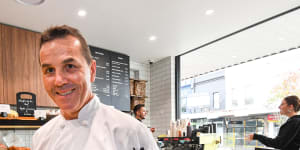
{"x": 142, "y": 112}
{"x": 66, "y": 75}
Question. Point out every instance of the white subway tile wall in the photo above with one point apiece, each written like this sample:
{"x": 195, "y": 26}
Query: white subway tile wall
{"x": 22, "y": 138}
{"x": 162, "y": 92}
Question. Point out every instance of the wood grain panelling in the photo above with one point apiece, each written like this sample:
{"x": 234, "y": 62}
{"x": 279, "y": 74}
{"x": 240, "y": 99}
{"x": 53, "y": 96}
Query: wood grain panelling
{"x": 43, "y": 98}
{"x": 2, "y": 99}
{"x": 20, "y": 68}
{"x": 19, "y": 47}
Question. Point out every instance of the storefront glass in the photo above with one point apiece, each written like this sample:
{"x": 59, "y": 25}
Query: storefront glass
{"x": 240, "y": 92}
{"x": 250, "y": 87}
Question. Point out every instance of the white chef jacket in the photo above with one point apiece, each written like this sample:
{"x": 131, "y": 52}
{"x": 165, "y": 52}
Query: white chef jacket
{"x": 98, "y": 127}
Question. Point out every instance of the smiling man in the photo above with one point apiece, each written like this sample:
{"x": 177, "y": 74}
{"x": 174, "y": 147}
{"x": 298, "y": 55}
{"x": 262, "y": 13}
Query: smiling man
{"x": 85, "y": 123}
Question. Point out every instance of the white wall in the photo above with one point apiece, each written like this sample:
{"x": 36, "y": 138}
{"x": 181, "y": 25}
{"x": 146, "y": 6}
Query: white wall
{"x": 23, "y": 137}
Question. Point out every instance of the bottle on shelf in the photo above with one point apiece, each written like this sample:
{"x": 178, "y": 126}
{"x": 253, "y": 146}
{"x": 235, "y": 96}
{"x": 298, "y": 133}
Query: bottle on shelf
{"x": 189, "y": 130}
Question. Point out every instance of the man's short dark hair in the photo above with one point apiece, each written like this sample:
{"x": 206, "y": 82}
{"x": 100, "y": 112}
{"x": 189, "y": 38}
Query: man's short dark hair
{"x": 57, "y": 32}
{"x": 137, "y": 108}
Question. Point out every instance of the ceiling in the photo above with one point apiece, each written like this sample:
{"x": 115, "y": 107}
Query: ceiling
{"x": 125, "y": 26}
{"x": 272, "y": 37}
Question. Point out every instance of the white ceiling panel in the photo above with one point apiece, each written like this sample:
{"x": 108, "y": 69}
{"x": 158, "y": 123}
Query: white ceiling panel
{"x": 125, "y": 26}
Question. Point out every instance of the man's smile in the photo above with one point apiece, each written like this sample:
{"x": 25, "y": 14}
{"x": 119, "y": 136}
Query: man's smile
{"x": 66, "y": 92}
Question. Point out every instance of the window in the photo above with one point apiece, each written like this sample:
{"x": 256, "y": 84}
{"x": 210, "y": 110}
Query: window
{"x": 216, "y": 99}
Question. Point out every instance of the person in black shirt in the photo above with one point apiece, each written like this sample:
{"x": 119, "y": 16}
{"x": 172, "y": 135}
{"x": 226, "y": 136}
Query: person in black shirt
{"x": 140, "y": 112}
{"x": 288, "y": 137}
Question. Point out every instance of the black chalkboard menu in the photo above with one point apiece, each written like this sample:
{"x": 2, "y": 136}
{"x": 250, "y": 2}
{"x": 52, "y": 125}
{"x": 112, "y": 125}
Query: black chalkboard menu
{"x": 101, "y": 86}
{"x": 112, "y": 78}
{"x": 120, "y": 90}
{"x": 26, "y": 106}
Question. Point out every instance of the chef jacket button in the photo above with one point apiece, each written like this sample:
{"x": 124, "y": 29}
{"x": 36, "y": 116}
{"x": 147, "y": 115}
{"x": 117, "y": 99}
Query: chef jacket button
{"x": 84, "y": 122}
{"x": 62, "y": 126}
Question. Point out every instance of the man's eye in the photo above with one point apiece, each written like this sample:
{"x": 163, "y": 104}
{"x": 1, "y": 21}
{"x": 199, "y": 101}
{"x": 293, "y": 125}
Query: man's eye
{"x": 49, "y": 70}
{"x": 70, "y": 66}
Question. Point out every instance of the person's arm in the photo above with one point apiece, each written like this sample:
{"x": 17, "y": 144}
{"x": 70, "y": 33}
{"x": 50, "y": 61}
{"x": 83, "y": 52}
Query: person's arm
{"x": 270, "y": 142}
{"x": 284, "y": 136}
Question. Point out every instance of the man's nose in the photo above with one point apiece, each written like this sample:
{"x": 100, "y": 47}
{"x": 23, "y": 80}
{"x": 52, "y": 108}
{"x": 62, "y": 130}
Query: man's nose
{"x": 60, "y": 78}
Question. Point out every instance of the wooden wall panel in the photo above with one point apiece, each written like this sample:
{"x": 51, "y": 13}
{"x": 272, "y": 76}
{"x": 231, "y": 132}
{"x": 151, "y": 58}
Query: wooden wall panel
{"x": 2, "y": 99}
{"x": 21, "y": 67}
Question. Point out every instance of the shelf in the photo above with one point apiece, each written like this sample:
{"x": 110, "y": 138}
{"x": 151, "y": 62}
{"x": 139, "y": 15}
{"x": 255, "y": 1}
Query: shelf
{"x": 138, "y": 96}
{"x": 19, "y": 127}
{"x": 21, "y": 124}
{"x": 139, "y": 80}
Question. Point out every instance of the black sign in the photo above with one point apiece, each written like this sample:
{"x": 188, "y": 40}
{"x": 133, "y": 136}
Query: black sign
{"x": 101, "y": 86}
{"x": 120, "y": 90}
{"x": 26, "y": 107}
{"x": 112, "y": 78}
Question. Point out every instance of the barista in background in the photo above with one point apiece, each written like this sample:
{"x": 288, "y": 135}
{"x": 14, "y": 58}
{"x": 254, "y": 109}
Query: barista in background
{"x": 140, "y": 112}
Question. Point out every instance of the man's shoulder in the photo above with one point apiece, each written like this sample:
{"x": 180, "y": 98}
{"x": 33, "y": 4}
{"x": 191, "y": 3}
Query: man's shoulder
{"x": 113, "y": 115}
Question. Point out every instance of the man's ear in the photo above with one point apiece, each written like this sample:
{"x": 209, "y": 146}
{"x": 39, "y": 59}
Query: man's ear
{"x": 93, "y": 70}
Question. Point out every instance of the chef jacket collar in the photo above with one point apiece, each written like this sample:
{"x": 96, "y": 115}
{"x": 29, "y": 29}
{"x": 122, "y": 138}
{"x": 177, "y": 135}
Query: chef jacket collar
{"x": 85, "y": 114}
{"x": 89, "y": 109}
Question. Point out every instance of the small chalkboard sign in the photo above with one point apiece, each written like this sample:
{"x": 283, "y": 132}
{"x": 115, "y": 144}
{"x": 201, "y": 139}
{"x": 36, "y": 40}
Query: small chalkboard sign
{"x": 26, "y": 106}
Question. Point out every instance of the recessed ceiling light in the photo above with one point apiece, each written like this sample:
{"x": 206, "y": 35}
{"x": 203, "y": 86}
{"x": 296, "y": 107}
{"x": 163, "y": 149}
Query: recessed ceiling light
{"x": 281, "y": 39}
{"x": 31, "y": 2}
{"x": 81, "y": 13}
{"x": 152, "y": 38}
{"x": 209, "y": 12}
{"x": 233, "y": 56}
